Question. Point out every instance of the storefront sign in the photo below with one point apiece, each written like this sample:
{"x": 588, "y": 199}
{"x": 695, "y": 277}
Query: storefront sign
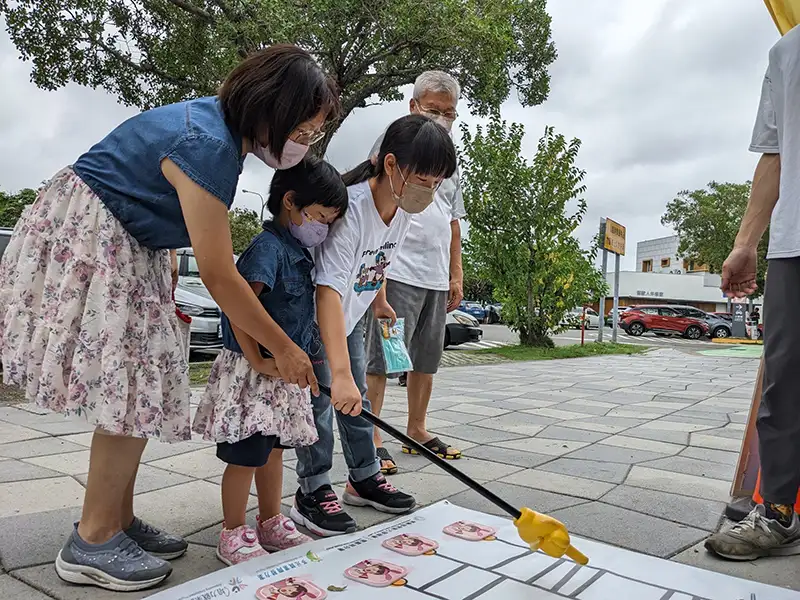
{"x": 614, "y": 237}
{"x": 649, "y": 294}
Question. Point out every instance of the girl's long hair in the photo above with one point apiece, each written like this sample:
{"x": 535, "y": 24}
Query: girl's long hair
{"x": 420, "y": 145}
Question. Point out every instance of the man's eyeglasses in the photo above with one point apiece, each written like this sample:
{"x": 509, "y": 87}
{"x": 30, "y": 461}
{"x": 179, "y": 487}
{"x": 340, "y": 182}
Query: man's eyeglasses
{"x": 450, "y": 115}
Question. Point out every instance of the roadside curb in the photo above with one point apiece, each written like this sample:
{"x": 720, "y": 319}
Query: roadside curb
{"x": 737, "y": 341}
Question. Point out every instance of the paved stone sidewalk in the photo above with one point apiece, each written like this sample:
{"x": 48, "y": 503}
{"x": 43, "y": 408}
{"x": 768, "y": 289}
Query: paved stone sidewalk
{"x": 636, "y": 451}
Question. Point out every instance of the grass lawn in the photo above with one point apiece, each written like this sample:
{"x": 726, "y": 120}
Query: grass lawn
{"x": 198, "y": 372}
{"x": 571, "y": 351}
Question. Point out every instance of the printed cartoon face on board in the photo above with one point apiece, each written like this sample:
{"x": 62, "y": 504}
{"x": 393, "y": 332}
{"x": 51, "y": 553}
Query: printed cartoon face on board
{"x": 291, "y": 589}
{"x": 377, "y": 573}
{"x": 409, "y": 544}
{"x": 472, "y": 532}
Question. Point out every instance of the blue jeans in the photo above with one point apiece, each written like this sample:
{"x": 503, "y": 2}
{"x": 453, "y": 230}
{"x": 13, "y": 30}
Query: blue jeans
{"x": 315, "y": 462}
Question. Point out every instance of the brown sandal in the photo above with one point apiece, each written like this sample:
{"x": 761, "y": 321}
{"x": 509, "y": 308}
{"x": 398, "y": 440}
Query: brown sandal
{"x": 438, "y": 447}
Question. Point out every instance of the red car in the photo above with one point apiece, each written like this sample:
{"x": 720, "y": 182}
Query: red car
{"x": 661, "y": 320}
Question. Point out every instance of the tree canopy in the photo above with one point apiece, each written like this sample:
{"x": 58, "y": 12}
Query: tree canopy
{"x": 155, "y": 52}
{"x": 523, "y": 215}
{"x": 707, "y": 221}
{"x": 12, "y": 205}
{"x": 245, "y": 225}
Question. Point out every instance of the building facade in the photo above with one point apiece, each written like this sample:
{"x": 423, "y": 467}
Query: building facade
{"x": 660, "y": 255}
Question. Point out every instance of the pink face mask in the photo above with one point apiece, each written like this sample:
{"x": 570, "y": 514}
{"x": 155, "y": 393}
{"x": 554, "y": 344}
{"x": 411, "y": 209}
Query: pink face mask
{"x": 293, "y": 153}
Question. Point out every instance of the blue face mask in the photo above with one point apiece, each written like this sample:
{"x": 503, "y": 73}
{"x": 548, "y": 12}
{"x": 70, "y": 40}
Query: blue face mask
{"x": 309, "y": 233}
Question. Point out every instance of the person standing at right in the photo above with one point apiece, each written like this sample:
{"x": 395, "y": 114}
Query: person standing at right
{"x": 772, "y": 528}
{"x": 424, "y": 283}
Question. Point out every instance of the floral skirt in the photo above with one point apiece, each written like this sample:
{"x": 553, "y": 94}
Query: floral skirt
{"x": 240, "y": 402}
{"x": 87, "y": 321}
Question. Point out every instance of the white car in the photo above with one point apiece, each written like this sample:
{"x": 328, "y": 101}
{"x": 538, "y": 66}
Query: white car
{"x": 193, "y": 299}
{"x": 573, "y": 318}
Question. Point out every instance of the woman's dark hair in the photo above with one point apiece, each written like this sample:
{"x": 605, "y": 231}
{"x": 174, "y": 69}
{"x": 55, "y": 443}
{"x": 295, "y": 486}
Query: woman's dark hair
{"x": 419, "y": 144}
{"x": 272, "y": 91}
{"x": 313, "y": 181}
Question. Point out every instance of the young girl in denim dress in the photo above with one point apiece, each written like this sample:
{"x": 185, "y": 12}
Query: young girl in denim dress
{"x": 247, "y": 409}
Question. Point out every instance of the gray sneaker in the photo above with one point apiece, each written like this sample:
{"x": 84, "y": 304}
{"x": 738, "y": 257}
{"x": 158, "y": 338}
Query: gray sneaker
{"x": 156, "y": 542}
{"x": 119, "y": 564}
{"x": 756, "y": 536}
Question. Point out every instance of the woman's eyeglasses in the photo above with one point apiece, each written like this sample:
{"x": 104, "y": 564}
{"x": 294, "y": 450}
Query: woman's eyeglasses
{"x": 308, "y": 137}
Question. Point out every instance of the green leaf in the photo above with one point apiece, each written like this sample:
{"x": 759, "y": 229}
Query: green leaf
{"x": 333, "y": 588}
{"x": 245, "y": 225}
{"x": 522, "y": 215}
{"x": 313, "y": 557}
{"x": 707, "y": 221}
{"x": 161, "y": 51}
{"x": 12, "y": 205}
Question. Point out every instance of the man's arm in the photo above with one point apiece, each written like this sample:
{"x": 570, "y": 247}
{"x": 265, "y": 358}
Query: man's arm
{"x": 741, "y": 267}
{"x": 763, "y": 198}
{"x": 456, "y": 268}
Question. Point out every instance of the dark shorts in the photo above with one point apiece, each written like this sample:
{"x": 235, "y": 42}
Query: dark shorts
{"x": 249, "y": 452}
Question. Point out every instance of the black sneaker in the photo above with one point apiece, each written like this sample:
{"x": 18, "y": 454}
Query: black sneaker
{"x": 379, "y": 494}
{"x": 321, "y": 513}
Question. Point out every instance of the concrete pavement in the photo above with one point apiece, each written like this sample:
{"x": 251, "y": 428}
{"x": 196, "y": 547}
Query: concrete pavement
{"x": 635, "y": 451}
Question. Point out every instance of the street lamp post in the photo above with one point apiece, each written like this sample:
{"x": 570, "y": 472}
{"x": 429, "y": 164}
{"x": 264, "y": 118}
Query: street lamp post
{"x": 262, "y": 201}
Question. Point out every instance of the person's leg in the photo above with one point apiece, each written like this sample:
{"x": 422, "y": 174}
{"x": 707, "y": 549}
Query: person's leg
{"x": 772, "y": 529}
{"x": 127, "y": 504}
{"x": 425, "y": 349}
{"x": 407, "y": 302}
{"x": 366, "y": 485}
{"x": 275, "y": 531}
{"x": 236, "y": 482}
{"x": 98, "y": 550}
{"x": 316, "y": 506}
{"x": 269, "y": 484}
{"x": 238, "y": 542}
{"x": 113, "y": 462}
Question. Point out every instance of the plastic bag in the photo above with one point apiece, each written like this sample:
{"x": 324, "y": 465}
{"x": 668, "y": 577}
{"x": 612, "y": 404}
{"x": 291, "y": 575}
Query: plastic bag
{"x": 393, "y": 340}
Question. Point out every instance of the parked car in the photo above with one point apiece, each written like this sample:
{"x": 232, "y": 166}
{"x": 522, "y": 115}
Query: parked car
{"x": 574, "y": 317}
{"x": 718, "y": 327}
{"x": 662, "y": 320}
{"x": 494, "y": 314}
{"x": 461, "y": 328}
{"x": 609, "y": 318}
{"x": 474, "y": 309}
{"x": 728, "y": 317}
{"x": 193, "y": 299}
{"x": 5, "y": 237}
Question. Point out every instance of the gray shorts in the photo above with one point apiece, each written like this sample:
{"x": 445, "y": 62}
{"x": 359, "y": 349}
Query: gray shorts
{"x": 425, "y": 314}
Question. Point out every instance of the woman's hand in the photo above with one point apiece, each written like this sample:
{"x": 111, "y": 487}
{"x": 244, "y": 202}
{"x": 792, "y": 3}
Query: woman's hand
{"x": 294, "y": 366}
{"x": 345, "y": 396}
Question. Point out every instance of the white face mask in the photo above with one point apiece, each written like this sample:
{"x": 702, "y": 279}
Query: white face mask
{"x": 293, "y": 153}
{"x": 441, "y": 120}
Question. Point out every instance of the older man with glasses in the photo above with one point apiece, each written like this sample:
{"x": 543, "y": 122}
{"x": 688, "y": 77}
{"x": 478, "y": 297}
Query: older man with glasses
{"x": 424, "y": 282}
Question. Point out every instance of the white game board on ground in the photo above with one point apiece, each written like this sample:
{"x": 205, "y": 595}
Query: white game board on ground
{"x": 445, "y": 552}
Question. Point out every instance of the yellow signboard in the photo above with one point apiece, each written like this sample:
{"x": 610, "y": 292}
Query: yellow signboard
{"x": 614, "y": 239}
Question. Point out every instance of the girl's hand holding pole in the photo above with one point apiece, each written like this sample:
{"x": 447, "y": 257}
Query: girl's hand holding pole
{"x": 345, "y": 396}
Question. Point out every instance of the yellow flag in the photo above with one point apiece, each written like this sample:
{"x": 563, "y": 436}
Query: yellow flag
{"x": 785, "y": 13}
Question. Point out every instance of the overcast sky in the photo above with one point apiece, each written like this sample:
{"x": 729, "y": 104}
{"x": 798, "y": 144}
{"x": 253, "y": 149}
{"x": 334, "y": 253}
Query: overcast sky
{"x": 662, "y": 93}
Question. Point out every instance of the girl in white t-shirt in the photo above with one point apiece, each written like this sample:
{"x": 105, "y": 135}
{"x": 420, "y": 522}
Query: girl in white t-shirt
{"x": 415, "y": 156}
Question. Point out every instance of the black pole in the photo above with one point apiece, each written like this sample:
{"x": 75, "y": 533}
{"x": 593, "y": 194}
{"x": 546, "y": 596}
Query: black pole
{"x": 437, "y": 460}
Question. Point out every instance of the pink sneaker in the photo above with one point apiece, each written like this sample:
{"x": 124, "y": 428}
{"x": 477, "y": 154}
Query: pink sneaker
{"x": 279, "y": 533}
{"x": 238, "y": 545}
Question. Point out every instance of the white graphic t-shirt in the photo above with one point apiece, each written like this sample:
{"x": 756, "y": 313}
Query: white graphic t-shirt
{"x": 425, "y": 259}
{"x": 354, "y": 258}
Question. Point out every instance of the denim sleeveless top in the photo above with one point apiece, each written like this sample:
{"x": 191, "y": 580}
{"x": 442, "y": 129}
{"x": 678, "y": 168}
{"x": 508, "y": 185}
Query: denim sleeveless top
{"x": 275, "y": 259}
{"x": 124, "y": 169}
